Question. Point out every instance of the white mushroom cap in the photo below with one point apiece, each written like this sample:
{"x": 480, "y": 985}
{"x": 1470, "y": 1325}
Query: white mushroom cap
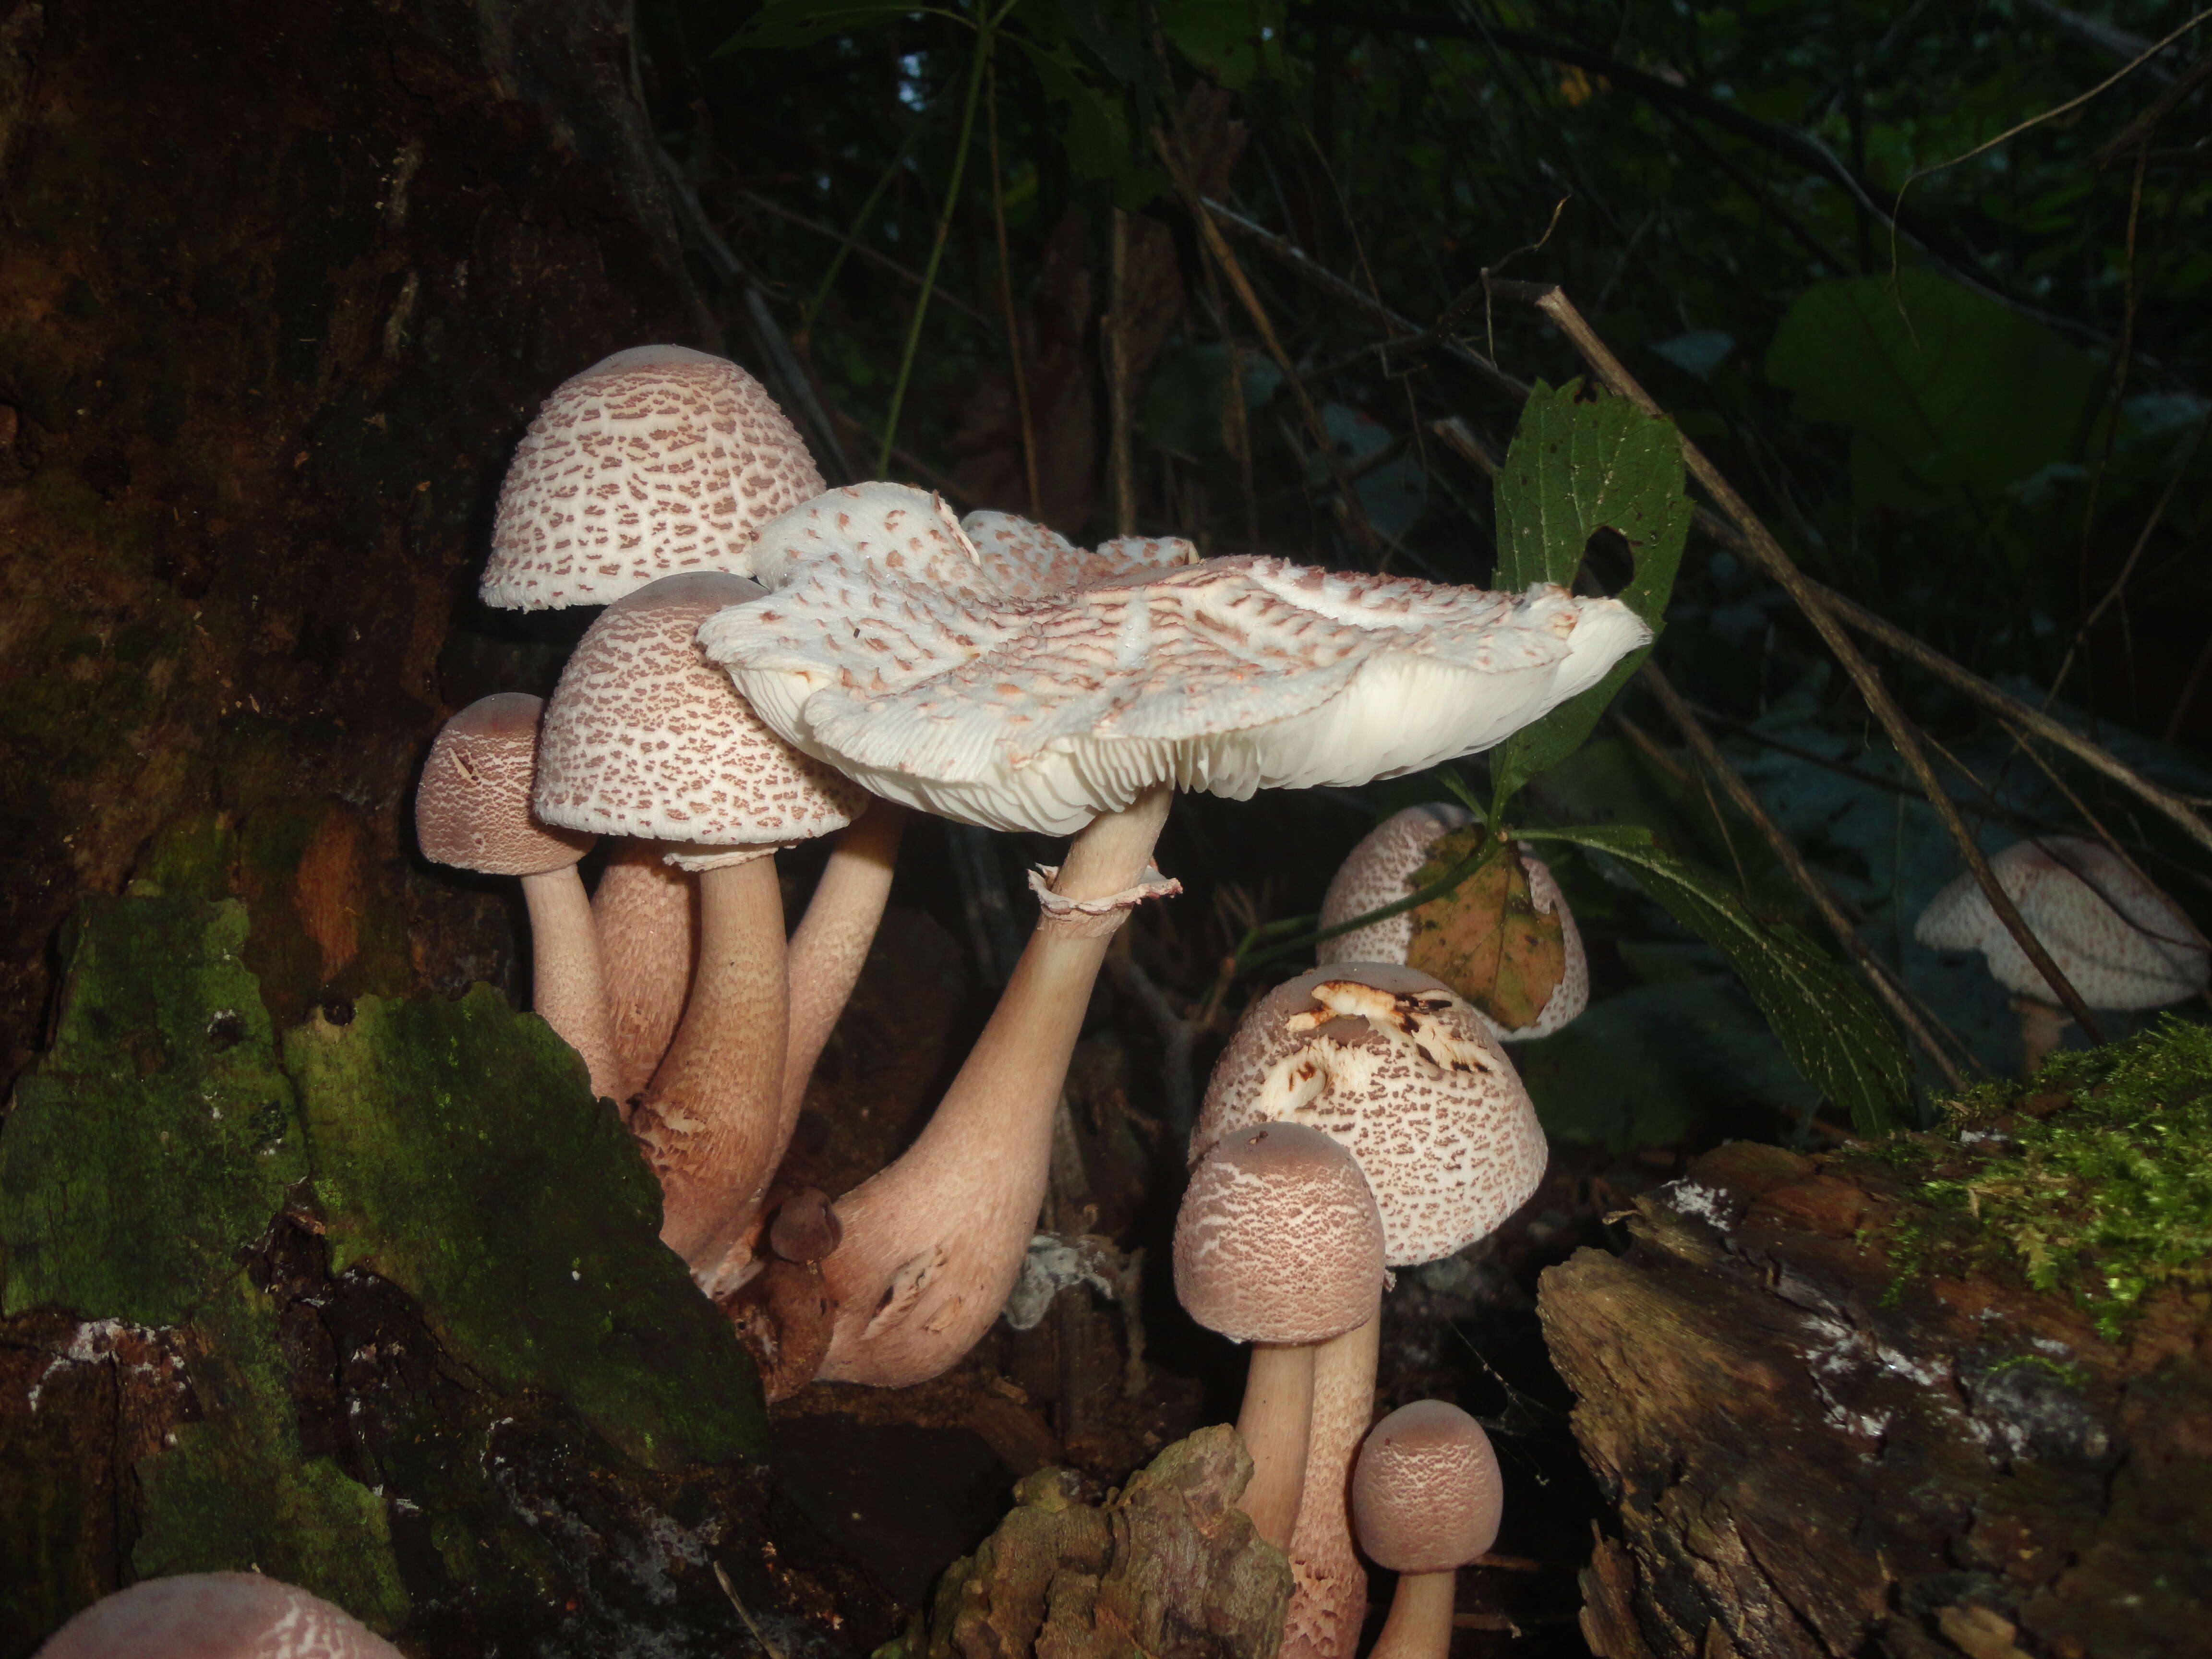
{"x": 473, "y": 803}
{"x": 1230, "y": 676}
{"x": 1025, "y": 560}
{"x": 214, "y": 1615}
{"x": 1426, "y": 1494}
{"x": 1405, "y": 1075}
{"x": 655, "y": 460}
{"x": 2120, "y": 941}
{"x": 1279, "y": 1239}
{"x": 1380, "y": 871}
{"x": 645, "y": 737}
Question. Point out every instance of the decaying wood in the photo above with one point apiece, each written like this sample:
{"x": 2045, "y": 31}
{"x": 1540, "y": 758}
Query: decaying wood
{"x": 1814, "y": 1454}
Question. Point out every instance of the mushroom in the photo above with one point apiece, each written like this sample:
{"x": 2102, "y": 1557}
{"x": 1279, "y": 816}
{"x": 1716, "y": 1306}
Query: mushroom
{"x": 472, "y": 812}
{"x": 2120, "y": 940}
{"x": 888, "y": 650}
{"x": 1278, "y": 1244}
{"x": 1408, "y": 1077}
{"x": 644, "y": 737}
{"x": 214, "y": 1615}
{"x": 1380, "y": 871}
{"x": 1426, "y": 1500}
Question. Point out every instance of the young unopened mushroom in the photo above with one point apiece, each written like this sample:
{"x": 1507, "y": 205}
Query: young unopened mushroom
{"x": 1278, "y": 1244}
{"x": 214, "y": 1615}
{"x": 887, "y": 649}
{"x": 1407, "y": 1075}
{"x": 472, "y": 811}
{"x": 1427, "y": 1496}
{"x": 2120, "y": 941}
{"x": 644, "y": 737}
{"x": 1380, "y": 870}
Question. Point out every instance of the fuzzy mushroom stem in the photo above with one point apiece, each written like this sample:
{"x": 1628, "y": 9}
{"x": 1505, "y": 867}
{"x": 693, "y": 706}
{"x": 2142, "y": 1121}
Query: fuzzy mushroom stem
{"x": 830, "y": 945}
{"x": 647, "y": 914}
{"x": 1276, "y": 1422}
{"x": 1328, "y": 1593}
{"x": 934, "y": 1242}
{"x": 568, "y": 983}
{"x": 712, "y": 1121}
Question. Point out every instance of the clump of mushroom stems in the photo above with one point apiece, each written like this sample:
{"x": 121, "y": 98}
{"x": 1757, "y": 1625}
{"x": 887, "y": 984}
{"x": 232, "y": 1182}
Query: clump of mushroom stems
{"x": 645, "y": 911}
{"x": 932, "y": 1243}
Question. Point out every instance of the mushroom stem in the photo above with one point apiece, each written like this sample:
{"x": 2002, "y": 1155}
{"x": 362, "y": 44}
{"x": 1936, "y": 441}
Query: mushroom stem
{"x": 1275, "y": 1422}
{"x": 831, "y": 943}
{"x": 1420, "y": 1622}
{"x": 568, "y": 979}
{"x": 2042, "y": 1028}
{"x": 646, "y": 913}
{"x": 712, "y": 1119}
{"x": 932, "y": 1243}
{"x": 1328, "y": 1593}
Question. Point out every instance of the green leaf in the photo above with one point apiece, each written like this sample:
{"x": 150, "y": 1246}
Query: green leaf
{"x": 1943, "y": 388}
{"x": 1230, "y": 39}
{"x": 1827, "y": 1023}
{"x": 1098, "y": 139}
{"x": 781, "y": 25}
{"x": 1576, "y": 468}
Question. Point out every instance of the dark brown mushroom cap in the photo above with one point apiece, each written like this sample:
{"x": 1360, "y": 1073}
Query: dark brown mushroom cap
{"x": 1279, "y": 1239}
{"x": 1407, "y": 1075}
{"x": 215, "y": 1615}
{"x": 472, "y": 805}
{"x": 1426, "y": 1495}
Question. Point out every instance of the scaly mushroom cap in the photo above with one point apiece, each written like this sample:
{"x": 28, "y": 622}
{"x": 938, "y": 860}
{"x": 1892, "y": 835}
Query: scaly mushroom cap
{"x": 1380, "y": 871}
{"x": 1426, "y": 1495}
{"x": 645, "y": 737}
{"x": 1279, "y": 1239}
{"x": 472, "y": 805}
{"x": 1405, "y": 1074}
{"x": 924, "y": 680}
{"x": 2120, "y": 941}
{"x": 1023, "y": 559}
{"x": 214, "y": 1615}
{"x": 655, "y": 460}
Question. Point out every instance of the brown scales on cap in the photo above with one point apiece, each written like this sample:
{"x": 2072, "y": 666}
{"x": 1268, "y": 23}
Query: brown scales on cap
{"x": 1426, "y": 1495}
{"x": 655, "y": 460}
{"x": 215, "y": 1615}
{"x": 472, "y": 805}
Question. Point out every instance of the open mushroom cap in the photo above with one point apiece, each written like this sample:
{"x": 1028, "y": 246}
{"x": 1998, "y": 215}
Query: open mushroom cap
{"x": 2120, "y": 941}
{"x": 655, "y": 460}
{"x": 1380, "y": 870}
{"x": 1230, "y": 676}
{"x": 214, "y": 1615}
{"x": 1408, "y": 1077}
{"x": 1279, "y": 1239}
{"x": 1025, "y": 560}
{"x": 472, "y": 803}
{"x": 645, "y": 737}
{"x": 1426, "y": 1495}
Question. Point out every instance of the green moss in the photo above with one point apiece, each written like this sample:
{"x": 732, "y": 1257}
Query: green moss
{"x": 157, "y": 1136}
{"x": 234, "y": 1492}
{"x": 459, "y": 1153}
{"x": 2106, "y": 1198}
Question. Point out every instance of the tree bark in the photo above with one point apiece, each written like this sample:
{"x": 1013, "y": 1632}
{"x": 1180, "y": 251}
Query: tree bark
{"x": 282, "y": 287}
{"x": 1818, "y": 1450}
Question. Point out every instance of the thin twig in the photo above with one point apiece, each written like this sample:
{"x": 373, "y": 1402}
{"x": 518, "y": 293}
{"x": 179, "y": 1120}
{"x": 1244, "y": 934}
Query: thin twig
{"x": 905, "y": 273}
{"x": 1876, "y": 971}
{"x": 1006, "y": 298}
{"x": 1117, "y": 379}
{"x": 1769, "y": 553}
{"x": 760, "y": 1636}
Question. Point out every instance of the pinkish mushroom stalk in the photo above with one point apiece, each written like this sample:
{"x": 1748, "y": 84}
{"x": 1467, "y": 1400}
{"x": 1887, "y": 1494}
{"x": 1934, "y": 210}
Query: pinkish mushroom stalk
{"x": 645, "y": 911}
{"x": 214, "y": 1615}
{"x": 932, "y": 1244}
{"x": 472, "y": 812}
{"x": 1279, "y": 1243}
{"x": 1426, "y": 1498}
{"x": 830, "y": 946}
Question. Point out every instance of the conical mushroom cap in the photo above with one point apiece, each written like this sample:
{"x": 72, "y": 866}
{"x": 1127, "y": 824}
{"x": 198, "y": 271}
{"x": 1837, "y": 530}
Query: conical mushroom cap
{"x": 1279, "y": 1239}
{"x": 656, "y": 460}
{"x": 472, "y": 803}
{"x": 1406, "y": 1075}
{"x": 645, "y": 737}
{"x": 215, "y": 1615}
{"x": 1380, "y": 870}
{"x": 2120, "y": 940}
{"x": 1229, "y": 676}
{"x": 1426, "y": 1495}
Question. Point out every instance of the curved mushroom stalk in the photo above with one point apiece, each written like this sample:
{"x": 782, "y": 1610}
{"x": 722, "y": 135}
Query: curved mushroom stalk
{"x": 647, "y": 913}
{"x": 932, "y": 1243}
{"x": 568, "y": 985}
{"x": 1329, "y": 1585}
{"x": 830, "y": 946}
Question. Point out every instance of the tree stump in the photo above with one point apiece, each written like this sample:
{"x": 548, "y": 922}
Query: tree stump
{"x": 1835, "y": 1422}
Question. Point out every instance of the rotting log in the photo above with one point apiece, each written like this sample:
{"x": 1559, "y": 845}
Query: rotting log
{"x": 1827, "y": 1436}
